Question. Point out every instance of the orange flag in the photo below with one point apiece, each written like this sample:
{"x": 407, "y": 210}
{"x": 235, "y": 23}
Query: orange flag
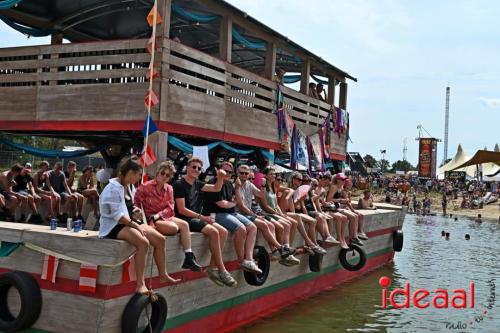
{"x": 154, "y": 99}
{"x": 151, "y": 16}
{"x": 155, "y": 73}
{"x": 148, "y": 156}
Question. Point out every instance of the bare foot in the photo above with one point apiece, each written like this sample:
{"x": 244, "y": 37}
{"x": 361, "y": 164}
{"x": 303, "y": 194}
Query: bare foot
{"x": 142, "y": 290}
{"x": 168, "y": 279}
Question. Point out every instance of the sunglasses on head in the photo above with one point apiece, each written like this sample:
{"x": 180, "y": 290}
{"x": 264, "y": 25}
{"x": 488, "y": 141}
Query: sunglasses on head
{"x": 195, "y": 167}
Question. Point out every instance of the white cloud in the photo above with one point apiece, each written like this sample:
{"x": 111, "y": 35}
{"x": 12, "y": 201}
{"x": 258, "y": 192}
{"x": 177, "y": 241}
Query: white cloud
{"x": 492, "y": 103}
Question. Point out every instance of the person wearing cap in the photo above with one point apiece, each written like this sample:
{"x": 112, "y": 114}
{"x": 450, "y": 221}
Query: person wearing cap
{"x": 24, "y": 188}
{"x": 85, "y": 186}
{"x": 334, "y": 196}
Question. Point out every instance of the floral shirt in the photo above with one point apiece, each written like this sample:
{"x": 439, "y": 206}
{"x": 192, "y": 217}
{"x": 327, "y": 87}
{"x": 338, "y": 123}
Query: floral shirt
{"x": 154, "y": 201}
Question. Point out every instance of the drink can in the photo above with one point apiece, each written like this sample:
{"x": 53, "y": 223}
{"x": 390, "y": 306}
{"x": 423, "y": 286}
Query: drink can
{"x": 69, "y": 223}
{"x": 77, "y": 225}
{"x": 53, "y": 224}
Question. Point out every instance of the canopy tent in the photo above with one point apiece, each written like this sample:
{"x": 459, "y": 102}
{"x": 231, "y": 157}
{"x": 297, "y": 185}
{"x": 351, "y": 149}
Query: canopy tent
{"x": 491, "y": 169}
{"x": 460, "y": 157}
{"x": 486, "y": 158}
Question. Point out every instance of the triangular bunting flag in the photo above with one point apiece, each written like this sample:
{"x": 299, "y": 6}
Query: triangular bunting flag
{"x": 128, "y": 273}
{"x": 49, "y": 270}
{"x": 155, "y": 73}
{"x": 145, "y": 178}
{"x": 150, "y": 17}
{"x": 154, "y": 98}
{"x": 149, "y": 45}
{"x": 148, "y": 156}
{"x": 152, "y": 126}
{"x": 88, "y": 278}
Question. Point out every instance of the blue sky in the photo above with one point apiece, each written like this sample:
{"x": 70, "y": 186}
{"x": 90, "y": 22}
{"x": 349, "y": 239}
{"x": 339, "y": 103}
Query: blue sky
{"x": 404, "y": 53}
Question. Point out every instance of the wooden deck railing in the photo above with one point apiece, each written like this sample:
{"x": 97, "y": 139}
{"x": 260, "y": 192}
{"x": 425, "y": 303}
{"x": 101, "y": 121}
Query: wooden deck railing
{"x": 107, "y": 81}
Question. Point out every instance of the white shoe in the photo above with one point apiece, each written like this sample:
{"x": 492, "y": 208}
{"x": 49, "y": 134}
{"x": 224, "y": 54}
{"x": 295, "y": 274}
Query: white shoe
{"x": 251, "y": 266}
{"x": 28, "y": 217}
{"x": 331, "y": 240}
{"x": 362, "y": 236}
{"x": 292, "y": 260}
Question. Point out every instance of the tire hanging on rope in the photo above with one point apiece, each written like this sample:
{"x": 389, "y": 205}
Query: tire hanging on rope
{"x": 263, "y": 262}
{"x": 344, "y": 258}
{"x": 315, "y": 262}
{"x": 397, "y": 240}
{"x": 30, "y": 300}
{"x": 138, "y": 304}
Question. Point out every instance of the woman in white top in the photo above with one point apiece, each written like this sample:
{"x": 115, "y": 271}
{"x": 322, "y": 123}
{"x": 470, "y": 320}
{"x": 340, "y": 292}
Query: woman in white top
{"x": 115, "y": 223}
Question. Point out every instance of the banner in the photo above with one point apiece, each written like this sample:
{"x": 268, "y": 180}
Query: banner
{"x": 455, "y": 175}
{"x": 427, "y": 157}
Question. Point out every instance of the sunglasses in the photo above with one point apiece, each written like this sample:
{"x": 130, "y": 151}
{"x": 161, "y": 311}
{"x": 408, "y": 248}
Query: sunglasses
{"x": 251, "y": 179}
{"x": 228, "y": 171}
{"x": 244, "y": 173}
{"x": 194, "y": 167}
{"x": 164, "y": 173}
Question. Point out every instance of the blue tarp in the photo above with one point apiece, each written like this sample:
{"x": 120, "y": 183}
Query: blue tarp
{"x": 50, "y": 153}
{"x": 6, "y": 4}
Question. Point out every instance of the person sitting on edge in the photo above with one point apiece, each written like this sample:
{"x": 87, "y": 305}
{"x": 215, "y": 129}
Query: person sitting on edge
{"x": 85, "y": 187}
{"x": 335, "y": 196}
{"x": 70, "y": 174}
{"x": 39, "y": 185}
{"x": 312, "y": 90}
{"x": 189, "y": 206}
{"x": 56, "y": 183}
{"x": 479, "y": 218}
{"x": 320, "y": 92}
{"x": 346, "y": 194}
{"x": 223, "y": 204}
{"x": 6, "y": 183}
{"x": 366, "y": 202}
{"x": 156, "y": 198}
{"x": 115, "y": 223}
{"x": 304, "y": 204}
{"x": 244, "y": 198}
{"x": 24, "y": 187}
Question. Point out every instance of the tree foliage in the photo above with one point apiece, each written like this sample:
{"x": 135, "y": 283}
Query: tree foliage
{"x": 370, "y": 160}
{"x": 402, "y": 166}
{"x": 384, "y": 165}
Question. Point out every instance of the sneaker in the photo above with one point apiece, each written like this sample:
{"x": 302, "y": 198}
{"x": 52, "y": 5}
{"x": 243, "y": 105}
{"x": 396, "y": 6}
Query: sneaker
{"x": 213, "y": 274}
{"x": 285, "y": 251}
{"x": 332, "y": 241}
{"x": 292, "y": 260}
{"x": 319, "y": 250}
{"x": 190, "y": 262}
{"x": 362, "y": 236}
{"x": 309, "y": 249}
{"x": 357, "y": 241}
{"x": 250, "y": 266}
{"x": 227, "y": 279}
{"x": 275, "y": 255}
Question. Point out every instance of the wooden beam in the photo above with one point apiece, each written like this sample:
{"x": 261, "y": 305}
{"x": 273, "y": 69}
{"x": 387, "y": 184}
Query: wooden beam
{"x": 163, "y": 29}
{"x": 331, "y": 90}
{"x": 226, "y": 38}
{"x": 343, "y": 96}
{"x": 304, "y": 77}
{"x": 270, "y": 67}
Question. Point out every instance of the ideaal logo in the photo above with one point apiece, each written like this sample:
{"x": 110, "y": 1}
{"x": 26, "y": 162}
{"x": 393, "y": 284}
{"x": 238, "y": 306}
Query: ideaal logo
{"x": 440, "y": 299}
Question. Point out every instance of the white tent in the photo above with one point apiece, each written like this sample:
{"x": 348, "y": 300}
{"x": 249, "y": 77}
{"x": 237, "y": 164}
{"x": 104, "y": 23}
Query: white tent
{"x": 491, "y": 168}
{"x": 460, "y": 157}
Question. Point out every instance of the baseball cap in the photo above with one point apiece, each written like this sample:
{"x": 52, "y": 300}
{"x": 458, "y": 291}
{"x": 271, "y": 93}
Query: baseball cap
{"x": 28, "y": 167}
{"x": 340, "y": 176}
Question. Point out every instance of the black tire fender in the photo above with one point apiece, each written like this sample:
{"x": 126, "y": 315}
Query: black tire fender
{"x": 29, "y": 295}
{"x": 261, "y": 256}
{"x": 343, "y": 258}
{"x": 316, "y": 262}
{"x": 397, "y": 240}
{"x": 135, "y": 307}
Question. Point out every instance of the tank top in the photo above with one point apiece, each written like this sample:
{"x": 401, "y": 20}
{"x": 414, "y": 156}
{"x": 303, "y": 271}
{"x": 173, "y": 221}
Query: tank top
{"x": 80, "y": 186}
{"x": 271, "y": 199}
{"x": 336, "y": 195}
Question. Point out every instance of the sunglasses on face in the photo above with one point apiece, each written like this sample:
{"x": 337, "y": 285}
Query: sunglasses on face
{"x": 228, "y": 171}
{"x": 195, "y": 167}
{"x": 244, "y": 173}
{"x": 251, "y": 179}
{"x": 164, "y": 173}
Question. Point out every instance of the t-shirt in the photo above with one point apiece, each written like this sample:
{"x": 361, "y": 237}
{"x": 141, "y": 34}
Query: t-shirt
{"x": 210, "y": 198}
{"x": 57, "y": 181}
{"x": 193, "y": 198}
{"x": 22, "y": 182}
{"x": 247, "y": 191}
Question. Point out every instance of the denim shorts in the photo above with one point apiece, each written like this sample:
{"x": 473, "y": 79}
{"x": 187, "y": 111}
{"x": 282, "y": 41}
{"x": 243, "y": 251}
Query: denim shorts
{"x": 232, "y": 222}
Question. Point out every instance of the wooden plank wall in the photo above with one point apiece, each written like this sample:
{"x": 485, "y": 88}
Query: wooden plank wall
{"x": 107, "y": 81}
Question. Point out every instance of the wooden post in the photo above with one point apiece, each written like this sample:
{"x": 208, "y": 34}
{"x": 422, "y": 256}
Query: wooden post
{"x": 270, "y": 67}
{"x": 304, "y": 79}
{"x": 343, "y": 96}
{"x": 163, "y": 29}
{"x": 226, "y": 38}
{"x": 331, "y": 89}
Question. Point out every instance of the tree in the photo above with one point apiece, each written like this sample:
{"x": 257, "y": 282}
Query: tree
{"x": 402, "y": 166}
{"x": 384, "y": 165}
{"x": 370, "y": 160}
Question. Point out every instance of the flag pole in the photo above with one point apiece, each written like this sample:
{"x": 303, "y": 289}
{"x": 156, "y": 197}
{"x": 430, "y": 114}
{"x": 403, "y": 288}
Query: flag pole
{"x": 150, "y": 89}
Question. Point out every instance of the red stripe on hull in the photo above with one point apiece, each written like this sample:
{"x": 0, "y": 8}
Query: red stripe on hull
{"x": 228, "y": 320}
{"x": 381, "y": 232}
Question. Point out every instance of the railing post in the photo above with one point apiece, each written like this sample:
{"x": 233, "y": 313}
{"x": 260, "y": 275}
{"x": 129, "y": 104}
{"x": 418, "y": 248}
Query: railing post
{"x": 304, "y": 79}
{"x": 331, "y": 90}
{"x": 226, "y": 38}
{"x": 343, "y": 96}
{"x": 270, "y": 67}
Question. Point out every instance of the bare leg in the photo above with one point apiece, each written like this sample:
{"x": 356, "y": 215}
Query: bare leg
{"x": 214, "y": 240}
{"x": 265, "y": 229}
{"x": 301, "y": 228}
{"x": 141, "y": 244}
{"x": 250, "y": 241}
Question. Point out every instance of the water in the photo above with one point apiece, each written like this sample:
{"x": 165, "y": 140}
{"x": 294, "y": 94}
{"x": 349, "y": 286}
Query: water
{"x": 427, "y": 261}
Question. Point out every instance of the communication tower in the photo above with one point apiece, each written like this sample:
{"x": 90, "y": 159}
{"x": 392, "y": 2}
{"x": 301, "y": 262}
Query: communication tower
{"x": 446, "y": 120}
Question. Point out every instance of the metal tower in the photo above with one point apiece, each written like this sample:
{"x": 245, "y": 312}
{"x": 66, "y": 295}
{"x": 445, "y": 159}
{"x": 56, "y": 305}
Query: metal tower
{"x": 446, "y": 120}
{"x": 405, "y": 148}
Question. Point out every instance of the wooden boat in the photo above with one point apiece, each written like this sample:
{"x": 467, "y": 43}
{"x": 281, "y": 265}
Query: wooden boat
{"x": 195, "y": 304}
